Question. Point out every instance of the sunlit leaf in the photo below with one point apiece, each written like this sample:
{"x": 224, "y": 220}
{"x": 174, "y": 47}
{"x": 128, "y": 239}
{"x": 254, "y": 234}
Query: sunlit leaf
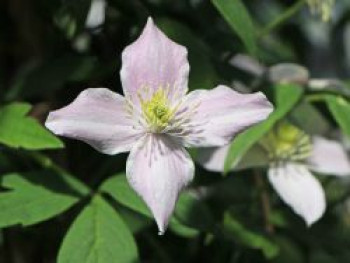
{"x": 340, "y": 108}
{"x": 286, "y": 96}
{"x": 98, "y": 235}
{"x": 19, "y": 130}
{"x": 33, "y": 197}
{"x": 238, "y": 17}
{"x": 182, "y": 230}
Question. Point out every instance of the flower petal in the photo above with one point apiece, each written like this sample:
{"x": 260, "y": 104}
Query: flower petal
{"x": 96, "y": 15}
{"x": 158, "y": 169}
{"x": 97, "y": 117}
{"x": 221, "y": 113}
{"x": 300, "y": 190}
{"x": 155, "y": 61}
{"x": 213, "y": 158}
{"x": 329, "y": 157}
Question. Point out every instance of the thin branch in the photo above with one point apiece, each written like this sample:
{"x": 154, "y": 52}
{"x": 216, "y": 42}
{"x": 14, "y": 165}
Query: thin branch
{"x": 291, "y": 11}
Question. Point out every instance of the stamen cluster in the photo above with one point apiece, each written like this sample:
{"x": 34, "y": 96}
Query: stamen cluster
{"x": 160, "y": 111}
{"x": 157, "y": 111}
{"x": 287, "y": 143}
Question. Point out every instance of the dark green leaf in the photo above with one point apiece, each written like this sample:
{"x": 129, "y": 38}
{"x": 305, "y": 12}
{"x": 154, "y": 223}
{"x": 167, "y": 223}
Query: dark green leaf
{"x": 19, "y": 130}
{"x": 234, "y": 230}
{"x": 135, "y": 221}
{"x": 286, "y": 96}
{"x": 238, "y": 17}
{"x": 47, "y": 164}
{"x": 98, "y": 235}
{"x": 289, "y": 252}
{"x": 193, "y": 212}
{"x": 255, "y": 157}
{"x": 310, "y": 119}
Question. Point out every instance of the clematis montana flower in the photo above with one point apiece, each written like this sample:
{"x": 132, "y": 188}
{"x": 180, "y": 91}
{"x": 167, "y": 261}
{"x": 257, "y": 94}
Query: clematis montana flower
{"x": 157, "y": 118}
{"x": 291, "y": 155}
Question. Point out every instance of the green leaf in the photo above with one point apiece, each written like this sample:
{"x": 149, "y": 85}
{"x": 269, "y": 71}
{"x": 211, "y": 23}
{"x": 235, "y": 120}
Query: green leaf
{"x": 98, "y": 235}
{"x": 181, "y": 229}
{"x": 306, "y": 116}
{"x": 286, "y": 96}
{"x": 340, "y": 109}
{"x": 193, "y": 212}
{"x": 16, "y": 108}
{"x": 189, "y": 212}
{"x": 118, "y": 187}
{"x": 283, "y": 17}
{"x": 255, "y": 157}
{"x": 203, "y": 74}
{"x": 47, "y": 164}
{"x": 35, "y": 197}
{"x": 238, "y": 17}
{"x": 135, "y": 221}
{"x": 19, "y": 130}
{"x": 234, "y": 230}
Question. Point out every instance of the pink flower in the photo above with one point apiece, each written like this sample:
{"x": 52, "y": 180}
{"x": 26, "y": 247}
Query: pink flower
{"x": 290, "y": 155}
{"x": 157, "y": 118}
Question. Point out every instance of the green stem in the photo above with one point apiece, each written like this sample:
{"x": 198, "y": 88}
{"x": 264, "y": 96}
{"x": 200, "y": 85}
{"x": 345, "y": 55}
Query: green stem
{"x": 315, "y": 98}
{"x": 265, "y": 201}
{"x": 282, "y": 18}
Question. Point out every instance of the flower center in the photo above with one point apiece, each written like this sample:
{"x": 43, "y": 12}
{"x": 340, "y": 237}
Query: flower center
{"x": 162, "y": 111}
{"x": 287, "y": 143}
{"x": 157, "y": 110}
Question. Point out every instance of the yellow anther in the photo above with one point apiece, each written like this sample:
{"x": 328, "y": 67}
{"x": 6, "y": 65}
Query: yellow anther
{"x": 287, "y": 141}
{"x": 157, "y": 110}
